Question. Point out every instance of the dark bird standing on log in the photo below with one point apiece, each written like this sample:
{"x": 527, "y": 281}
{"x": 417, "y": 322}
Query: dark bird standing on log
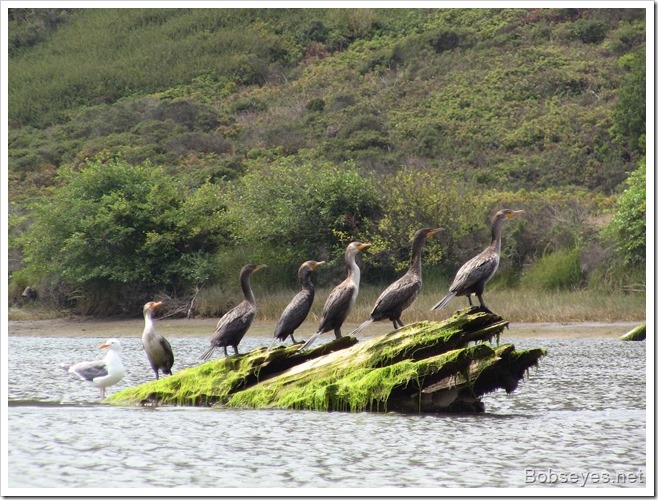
{"x": 157, "y": 348}
{"x": 342, "y": 298}
{"x": 296, "y": 311}
{"x": 401, "y": 293}
{"x": 234, "y": 324}
{"x": 473, "y": 275}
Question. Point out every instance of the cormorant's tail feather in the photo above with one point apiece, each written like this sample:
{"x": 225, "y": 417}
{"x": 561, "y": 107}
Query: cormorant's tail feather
{"x": 362, "y": 326}
{"x": 443, "y": 301}
{"x": 310, "y": 341}
{"x": 208, "y": 353}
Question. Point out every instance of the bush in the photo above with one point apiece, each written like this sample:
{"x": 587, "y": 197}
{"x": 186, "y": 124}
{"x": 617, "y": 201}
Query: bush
{"x": 290, "y": 209}
{"x": 628, "y": 229}
{"x": 132, "y": 229}
{"x": 556, "y": 271}
{"x": 629, "y": 114}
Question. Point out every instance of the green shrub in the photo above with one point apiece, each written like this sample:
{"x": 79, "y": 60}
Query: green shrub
{"x": 128, "y": 228}
{"x": 315, "y": 105}
{"x": 589, "y": 31}
{"x": 559, "y": 270}
{"x": 290, "y": 209}
{"x": 628, "y": 228}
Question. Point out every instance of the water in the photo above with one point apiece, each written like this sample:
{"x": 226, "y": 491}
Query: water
{"x": 583, "y": 412}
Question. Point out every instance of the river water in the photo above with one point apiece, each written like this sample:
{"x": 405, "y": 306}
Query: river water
{"x": 578, "y": 420}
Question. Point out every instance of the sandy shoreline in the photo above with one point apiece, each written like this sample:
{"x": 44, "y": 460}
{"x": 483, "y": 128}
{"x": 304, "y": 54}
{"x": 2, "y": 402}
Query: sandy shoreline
{"x": 205, "y": 326}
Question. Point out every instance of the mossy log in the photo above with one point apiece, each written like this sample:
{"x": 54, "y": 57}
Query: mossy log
{"x": 637, "y": 333}
{"x": 424, "y": 367}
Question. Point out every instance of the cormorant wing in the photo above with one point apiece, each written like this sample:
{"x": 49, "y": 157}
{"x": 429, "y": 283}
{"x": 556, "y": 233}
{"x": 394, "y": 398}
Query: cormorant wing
{"x": 337, "y": 306}
{"x": 168, "y": 352}
{"x": 235, "y": 321}
{"x": 397, "y": 294}
{"x": 294, "y": 314}
{"x": 480, "y": 267}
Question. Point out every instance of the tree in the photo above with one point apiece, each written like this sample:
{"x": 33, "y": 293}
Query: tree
{"x": 287, "y": 210}
{"x": 628, "y": 228}
{"x": 127, "y": 228}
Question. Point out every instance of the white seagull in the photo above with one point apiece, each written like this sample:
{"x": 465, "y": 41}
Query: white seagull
{"x": 103, "y": 372}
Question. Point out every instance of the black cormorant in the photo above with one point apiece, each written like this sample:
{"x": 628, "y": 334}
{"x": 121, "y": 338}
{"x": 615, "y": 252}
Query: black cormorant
{"x": 473, "y": 275}
{"x": 157, "y": 348}
{"x": 401, "y": 293}
{"x": 296, "y": 311}
{"x": 341, "y": 299}
{"x": 234, "y": 324}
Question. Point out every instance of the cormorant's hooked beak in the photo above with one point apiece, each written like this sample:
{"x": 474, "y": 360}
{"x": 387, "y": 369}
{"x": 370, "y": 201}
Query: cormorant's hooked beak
{"x": 260, "y": 267}
{"x": 514, "y": 213}
{"x": 432, "y": 232}
{"x": 155, "y": 305}
{"x": 315, "y": 265}
{"x": 363, "y": 246}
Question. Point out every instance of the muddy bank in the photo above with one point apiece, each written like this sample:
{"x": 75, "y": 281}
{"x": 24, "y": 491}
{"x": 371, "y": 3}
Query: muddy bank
{"x": 204, "y": 327}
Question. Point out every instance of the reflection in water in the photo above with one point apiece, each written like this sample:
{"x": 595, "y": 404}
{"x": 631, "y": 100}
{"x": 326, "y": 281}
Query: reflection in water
{"x": 582, "y": 411}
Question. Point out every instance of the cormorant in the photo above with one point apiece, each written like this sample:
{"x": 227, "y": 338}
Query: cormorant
{"x": 401, "y": 293}
{"x": 341, "y": 299}
{"x": 157, "y": 348}
{"x": 473, "y": 275}
{"x": 234, "y": 324}
{"x": 296, "y": 311}
{"x": 104, "y": 372}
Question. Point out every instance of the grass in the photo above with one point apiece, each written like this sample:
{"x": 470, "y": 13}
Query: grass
{"x": 515, "y": 305}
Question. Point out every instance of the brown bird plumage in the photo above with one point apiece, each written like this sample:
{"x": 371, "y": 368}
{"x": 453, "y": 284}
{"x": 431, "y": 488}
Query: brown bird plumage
{"x": 473, "y": 276}
{"x": 342, "y": 298}
{"x": 234, "y": 324}
{"x": 158, "y": 350}
{"x": 403, "y": 292}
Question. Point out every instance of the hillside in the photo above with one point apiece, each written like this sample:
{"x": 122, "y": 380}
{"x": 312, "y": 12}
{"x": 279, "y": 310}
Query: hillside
{"x": 503, "y": 97}
{"x": 482, "y": 100}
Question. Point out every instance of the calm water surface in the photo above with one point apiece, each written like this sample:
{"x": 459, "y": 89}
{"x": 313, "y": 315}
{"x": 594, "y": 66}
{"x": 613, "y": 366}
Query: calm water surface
{"x": 582, "y": 412}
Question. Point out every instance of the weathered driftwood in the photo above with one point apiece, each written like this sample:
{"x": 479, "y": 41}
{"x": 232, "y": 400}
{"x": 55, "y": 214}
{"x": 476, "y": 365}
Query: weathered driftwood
{"x": 423, "y": 367}
{"x": 637, "y": 333}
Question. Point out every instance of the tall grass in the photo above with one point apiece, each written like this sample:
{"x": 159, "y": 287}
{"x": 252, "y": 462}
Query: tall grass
{"x": 516, "y": 305}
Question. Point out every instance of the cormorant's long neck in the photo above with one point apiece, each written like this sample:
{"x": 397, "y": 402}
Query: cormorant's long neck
{"x": 416, "y": 256}
{"x": 496, "y": 230}
{"x": 353, "y": 271}
{"x": 149, "y": 325}
{"x": 307, "y": 285}
{"x": 246, "y": 288}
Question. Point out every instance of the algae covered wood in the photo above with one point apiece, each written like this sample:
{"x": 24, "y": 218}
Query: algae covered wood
{"x": 637, "y": 333}
{"x": 424, "y": 367}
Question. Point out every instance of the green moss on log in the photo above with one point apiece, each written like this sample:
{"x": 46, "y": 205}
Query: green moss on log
{"x": 637, "y": 333}
{"x": 426, "y": 366}
{"x": 357, "y": 387}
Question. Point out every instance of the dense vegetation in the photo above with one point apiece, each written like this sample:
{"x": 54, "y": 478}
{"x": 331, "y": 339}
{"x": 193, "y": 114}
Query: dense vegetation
{"x": 158, "y": 150}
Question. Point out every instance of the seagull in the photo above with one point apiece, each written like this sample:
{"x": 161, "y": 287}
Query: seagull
{"x": 103, "y": 372}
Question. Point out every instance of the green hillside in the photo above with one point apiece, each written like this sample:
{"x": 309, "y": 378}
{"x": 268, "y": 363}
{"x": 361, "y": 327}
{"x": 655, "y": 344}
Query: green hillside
{"x": 293, "y": 131}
